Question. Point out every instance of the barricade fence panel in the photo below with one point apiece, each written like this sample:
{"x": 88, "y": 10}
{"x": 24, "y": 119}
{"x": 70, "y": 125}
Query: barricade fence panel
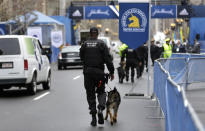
{"x": 160, "y": 86}
{"x": 196, "y": 70}
{"x": 179, "y": 115}
{"x": 174, "y": 66}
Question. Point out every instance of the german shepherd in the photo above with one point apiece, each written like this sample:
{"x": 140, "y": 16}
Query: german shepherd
{"x": 121, "y": 72}
{"x": 113, "y": 102}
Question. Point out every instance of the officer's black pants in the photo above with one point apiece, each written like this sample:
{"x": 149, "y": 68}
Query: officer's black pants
{"x": 91, "y": 83}
{"x": 140, "y": 69}
{"x": 127, "y": 68}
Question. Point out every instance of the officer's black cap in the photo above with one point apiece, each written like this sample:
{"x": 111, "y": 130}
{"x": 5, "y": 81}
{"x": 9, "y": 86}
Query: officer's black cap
{"x": 94, "y": 30}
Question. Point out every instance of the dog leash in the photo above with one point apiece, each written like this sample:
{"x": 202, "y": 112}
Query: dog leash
{"x": 109, "y": 86}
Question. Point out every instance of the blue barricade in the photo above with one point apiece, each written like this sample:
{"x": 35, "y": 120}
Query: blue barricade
{"x": 160, "y": 78}
{"x": 178, "y": 116}
{"x": 171, "y": 96}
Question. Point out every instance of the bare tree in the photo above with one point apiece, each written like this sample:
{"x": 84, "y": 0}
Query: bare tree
{"x": 21, "y": 12}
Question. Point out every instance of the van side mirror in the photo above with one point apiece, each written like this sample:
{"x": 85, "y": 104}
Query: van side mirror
{"x": 46, "y": 51}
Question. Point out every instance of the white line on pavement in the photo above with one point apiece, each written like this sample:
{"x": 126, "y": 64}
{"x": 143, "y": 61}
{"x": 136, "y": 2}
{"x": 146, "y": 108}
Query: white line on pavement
{"x": 41, "y": 96}
{"x": 76, "y": 77}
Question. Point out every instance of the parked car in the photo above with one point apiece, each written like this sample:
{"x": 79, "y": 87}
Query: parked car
{"x": 23, "y": 63}
{"x": 69, "y": 56}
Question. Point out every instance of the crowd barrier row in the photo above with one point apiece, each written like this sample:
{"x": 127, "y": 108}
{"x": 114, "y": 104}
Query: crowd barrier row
{"x": 179, "y": 113}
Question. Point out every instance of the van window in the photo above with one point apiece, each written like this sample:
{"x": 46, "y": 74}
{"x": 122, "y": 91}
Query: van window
{"x": 29, "y": 46}
{"x": 9, "y": 46}
{"x": 37, "y": 44}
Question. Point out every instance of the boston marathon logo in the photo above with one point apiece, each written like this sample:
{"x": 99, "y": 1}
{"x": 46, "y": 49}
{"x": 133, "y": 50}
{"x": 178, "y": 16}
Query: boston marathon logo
{"x": 134, "y": 20}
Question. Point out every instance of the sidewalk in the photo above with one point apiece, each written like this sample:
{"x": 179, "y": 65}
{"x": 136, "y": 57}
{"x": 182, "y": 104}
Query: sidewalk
{"x": 134, "y": 114}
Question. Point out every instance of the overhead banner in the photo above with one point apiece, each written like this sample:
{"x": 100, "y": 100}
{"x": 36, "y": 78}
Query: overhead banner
{"x": 56, "y": 38}
{"x": 99, "y": 12}
{"x": 134, "y": 23}
{"x": 164, "y": 11}
{"x": 183, "y": 11}
{"x": 198, "y": 11}
{"x": 2, "y": 29}
{"x": 76, "y": 12}
{"x": 35, "y": 32}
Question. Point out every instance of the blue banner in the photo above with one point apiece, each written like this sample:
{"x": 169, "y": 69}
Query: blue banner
{"x": 164, "y": 11}
{"x": 134, "y": 24}
{"x": 2, "y": 29}
{"x": 99, "y": 12}
{"x": 198, "y": 11}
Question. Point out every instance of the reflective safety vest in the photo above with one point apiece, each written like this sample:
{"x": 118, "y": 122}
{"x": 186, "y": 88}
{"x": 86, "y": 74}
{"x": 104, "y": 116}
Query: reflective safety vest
{"x": 122, "y": 48}
{"x": 167, "y": 50}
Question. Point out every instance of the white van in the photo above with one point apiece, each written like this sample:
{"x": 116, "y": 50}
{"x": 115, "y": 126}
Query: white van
{"x": 23, "y": 63}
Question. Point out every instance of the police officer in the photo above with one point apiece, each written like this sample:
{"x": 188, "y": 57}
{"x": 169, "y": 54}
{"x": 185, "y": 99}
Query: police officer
{"x": 131, "y": 62}
{"x": 94, "y": 53}
{"x": 122, "y": 48}
{"x": 167, "y": 48}
{"x": 141, "y": 59}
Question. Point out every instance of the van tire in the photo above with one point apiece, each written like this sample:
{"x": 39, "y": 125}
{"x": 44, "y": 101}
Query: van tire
{"x": 1, "y": 91}
{"x": 47, "y": 84}
{"x": 60, "y": 67}
{"x": 32, "y": 87}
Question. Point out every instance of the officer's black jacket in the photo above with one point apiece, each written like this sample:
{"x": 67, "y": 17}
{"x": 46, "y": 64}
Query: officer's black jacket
{"x": 94, "y": 54}
{"x": 131, "y": 56}
{"x": 141, "y": 53}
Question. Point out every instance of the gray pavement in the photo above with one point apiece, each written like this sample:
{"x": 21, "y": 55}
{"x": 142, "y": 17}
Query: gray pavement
{"x": 195, "y": 94}
{"x": 64, "y": 107}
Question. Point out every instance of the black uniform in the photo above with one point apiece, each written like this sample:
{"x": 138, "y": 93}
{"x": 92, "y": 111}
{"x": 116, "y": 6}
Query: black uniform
{"x": 141, "y": 58}
{"x": 94, "y": 54}
{"x": 155, "y": 52}
{"x": 131, "y": 61}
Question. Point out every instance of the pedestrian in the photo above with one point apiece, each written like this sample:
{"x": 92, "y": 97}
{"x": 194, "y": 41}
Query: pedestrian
{"x": 167, "y": 49}
{"x": 196, "y": 47}
{"x": 94, "y": 53}
{"x": 131, "y": 62}
{"x": 122, "y": 48}
{"x": 178, "y": 47}
{"x": 153, "y": 51}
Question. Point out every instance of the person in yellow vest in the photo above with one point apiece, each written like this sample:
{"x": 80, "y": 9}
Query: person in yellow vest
{"x": 122, "y": 48}
{"x": 167, "y": 49}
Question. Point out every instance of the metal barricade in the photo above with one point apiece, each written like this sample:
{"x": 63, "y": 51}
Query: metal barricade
{"x": 179, "y": 113}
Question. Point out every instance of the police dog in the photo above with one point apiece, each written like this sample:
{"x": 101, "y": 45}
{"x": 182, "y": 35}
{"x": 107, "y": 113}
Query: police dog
{"x": 121, "y": 71}
{"x": 112, "y": 105}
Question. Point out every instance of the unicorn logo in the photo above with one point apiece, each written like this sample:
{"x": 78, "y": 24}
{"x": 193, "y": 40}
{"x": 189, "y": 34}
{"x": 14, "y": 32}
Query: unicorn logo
{"x": 135, "y": 22}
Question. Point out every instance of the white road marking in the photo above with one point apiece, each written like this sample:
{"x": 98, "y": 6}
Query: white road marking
{"x": 76, "y": 77}
{"x": 41, "y": 96}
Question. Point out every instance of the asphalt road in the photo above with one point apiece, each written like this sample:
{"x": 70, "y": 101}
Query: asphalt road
{"x": 64, "y": 107}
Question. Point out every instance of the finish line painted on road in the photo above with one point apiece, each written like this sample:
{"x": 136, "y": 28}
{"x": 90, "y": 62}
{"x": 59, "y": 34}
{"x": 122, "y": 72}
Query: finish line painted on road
{"x": 76, "y": 77}
{"x": 41, "y": 96}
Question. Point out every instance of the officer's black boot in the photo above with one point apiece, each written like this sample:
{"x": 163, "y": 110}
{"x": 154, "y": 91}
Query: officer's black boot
{"x": 100, "y": 117}
{"x": 127, "y": 78}
{"x": 94, "y": 120}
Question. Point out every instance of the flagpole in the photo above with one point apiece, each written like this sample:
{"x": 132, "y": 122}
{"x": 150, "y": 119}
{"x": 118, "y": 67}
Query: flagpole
{"x": 149, "y": 55}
